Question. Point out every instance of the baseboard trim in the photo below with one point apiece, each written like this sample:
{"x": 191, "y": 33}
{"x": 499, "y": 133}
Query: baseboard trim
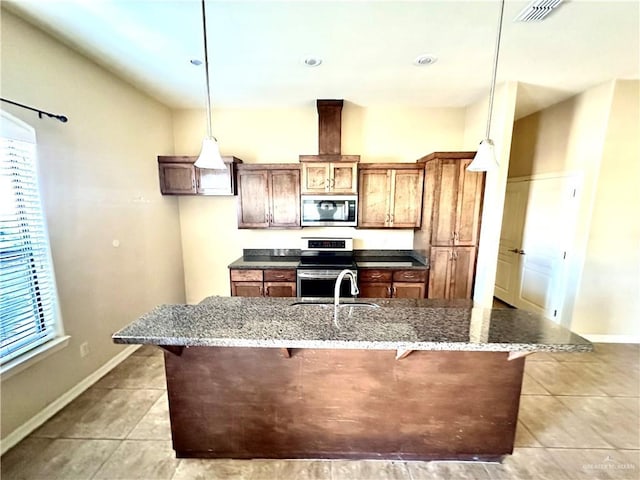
{"x": 612, "y": 338}
{"x": 54, "y": 407}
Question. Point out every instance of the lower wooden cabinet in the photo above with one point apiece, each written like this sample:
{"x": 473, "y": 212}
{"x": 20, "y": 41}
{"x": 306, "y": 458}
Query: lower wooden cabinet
{"x": 451, "y": 272}
{"x": 378, "y": 283}
{"x": 263, "y": 283}
{"x": 280, "y": 283}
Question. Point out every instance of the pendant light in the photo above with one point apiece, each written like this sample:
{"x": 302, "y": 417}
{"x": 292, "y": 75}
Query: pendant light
{"x": 210, "y": 154}
{"x": 485, "y": 159}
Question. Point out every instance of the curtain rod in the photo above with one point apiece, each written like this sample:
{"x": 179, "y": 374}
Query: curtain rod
{"x": 62, "y": 118}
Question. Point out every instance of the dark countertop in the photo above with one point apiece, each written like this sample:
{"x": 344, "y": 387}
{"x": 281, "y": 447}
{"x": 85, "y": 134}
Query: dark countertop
{"x": 288, "y": 258}
{"x": 416, "y": 324}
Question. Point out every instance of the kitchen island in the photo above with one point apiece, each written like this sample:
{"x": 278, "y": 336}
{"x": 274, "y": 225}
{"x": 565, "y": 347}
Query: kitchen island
{"x": 285, "y": 378}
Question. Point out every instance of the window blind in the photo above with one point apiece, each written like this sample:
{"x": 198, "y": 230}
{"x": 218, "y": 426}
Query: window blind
{"x": 28, "y": 300}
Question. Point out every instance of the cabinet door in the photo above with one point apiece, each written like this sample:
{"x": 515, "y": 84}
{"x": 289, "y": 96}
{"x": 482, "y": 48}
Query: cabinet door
{"x": 409, "y": 290}
{"x": 440, "y": 272}
{"x": 246, "y": 289}
{"x": 316, "y": 177}
{"x": 468, "y": 208}
{"x": 464, "y": 259}
{"x": 375, "y": 290}
{"x": 373, "y": 200}
{"x": 279, "y": 289}
{"x": 177, "y": 178}
{"x": 253, "y": 199}
{"x": 284, "y": 190}
{"x": 214, "y": 182}
{"x": 344, "y": 178}
{"x": 406, "y": 203}
{"x": 445, "y": 203}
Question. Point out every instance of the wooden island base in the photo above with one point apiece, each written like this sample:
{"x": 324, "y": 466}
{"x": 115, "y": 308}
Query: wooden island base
{"x": 233, "y": 402}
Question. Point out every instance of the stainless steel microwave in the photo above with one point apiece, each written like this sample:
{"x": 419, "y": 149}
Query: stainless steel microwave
{"x": 329, "y": 210}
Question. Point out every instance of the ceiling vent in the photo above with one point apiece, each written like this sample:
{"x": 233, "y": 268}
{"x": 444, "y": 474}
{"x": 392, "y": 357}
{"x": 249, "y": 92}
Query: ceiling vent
{"x": 537, "y": 10}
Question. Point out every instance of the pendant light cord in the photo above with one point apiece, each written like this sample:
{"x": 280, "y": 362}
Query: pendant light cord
{"x": 206, "y": 70}
{"x": 495, "y": 69}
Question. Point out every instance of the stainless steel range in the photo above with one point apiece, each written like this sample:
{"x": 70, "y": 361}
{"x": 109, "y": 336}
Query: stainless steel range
{"x": 321, "y": 261}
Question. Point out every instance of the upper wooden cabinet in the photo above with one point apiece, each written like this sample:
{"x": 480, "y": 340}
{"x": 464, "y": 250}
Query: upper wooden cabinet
{"x": 451, "y": 223}
{"x": 269, "y": 196}
{"x": 457, "y": 199}
{"x": 390, "y": 195}
{"x": 179, "y": 176}
{"x": 329, "y": 177}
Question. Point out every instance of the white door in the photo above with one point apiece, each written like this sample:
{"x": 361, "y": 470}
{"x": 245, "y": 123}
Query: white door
{"x": 539, "y": 259}
{"x": 508, "y": 269}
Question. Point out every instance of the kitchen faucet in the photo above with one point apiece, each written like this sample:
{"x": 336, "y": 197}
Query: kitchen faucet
{"x": 354, "y": 285}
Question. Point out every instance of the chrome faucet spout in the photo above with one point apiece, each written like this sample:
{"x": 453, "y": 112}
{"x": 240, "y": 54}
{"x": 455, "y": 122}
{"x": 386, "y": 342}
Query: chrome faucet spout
{"x": 354, "y": 285}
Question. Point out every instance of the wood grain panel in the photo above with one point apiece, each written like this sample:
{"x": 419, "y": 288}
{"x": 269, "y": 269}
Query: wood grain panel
{"x": 329, "y": 126}
{"x": 279, "y": 289}
{"x": 284, "y": 188}
{"x": 375, "y": 290}
{"x": 246, "y": 275}
{"x": 280, "y": 275}
{"x": 253, "y": 198}
{"x": 410, "y": 276}
{"x": 374, "y": 275}
{"x": 321, "y": 403}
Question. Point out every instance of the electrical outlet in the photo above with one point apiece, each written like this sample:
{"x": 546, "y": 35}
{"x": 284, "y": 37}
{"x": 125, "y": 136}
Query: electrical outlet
{"x": 84, "y": 349}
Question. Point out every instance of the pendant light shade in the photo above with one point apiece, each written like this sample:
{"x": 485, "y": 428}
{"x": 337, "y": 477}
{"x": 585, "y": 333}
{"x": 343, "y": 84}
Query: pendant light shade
{"x": 210, "y": 154}
{"x": 485, "y": 159}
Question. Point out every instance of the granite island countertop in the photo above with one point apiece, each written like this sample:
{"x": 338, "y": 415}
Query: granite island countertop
{"x": 398, "y": 324}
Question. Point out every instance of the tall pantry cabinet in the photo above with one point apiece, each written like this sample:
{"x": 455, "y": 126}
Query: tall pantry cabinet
{"x": 452, "y": 206}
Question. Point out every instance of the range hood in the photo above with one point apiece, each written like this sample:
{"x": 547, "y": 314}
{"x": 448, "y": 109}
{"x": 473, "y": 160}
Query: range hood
{"x": 329, "y": 134}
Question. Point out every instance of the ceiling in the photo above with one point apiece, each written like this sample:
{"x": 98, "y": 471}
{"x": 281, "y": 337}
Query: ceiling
{"x": 257, "y": 48}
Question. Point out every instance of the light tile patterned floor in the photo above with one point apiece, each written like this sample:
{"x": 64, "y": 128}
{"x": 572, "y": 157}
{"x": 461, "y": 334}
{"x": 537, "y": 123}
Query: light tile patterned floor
{"x": 579, "y": 419}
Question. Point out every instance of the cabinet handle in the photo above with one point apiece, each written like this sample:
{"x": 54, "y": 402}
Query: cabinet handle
{"x": 389, "y": 292}
{"x": 388, "y": 218}
{"x": 327, "y": 184}
{"x": 393, "y": 218}
{"x": 455, "y": 255}
{"x": 395, "y": 291}
{"x": 376, "y": 275}
{"x": 333, "y": 183}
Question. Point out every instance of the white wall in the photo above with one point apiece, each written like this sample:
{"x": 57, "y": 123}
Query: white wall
{"x": 210, "y": 237}
{"x": 593, "y": 135}
{"x": 99, "y": 184}
{"x": 608, "y": 299}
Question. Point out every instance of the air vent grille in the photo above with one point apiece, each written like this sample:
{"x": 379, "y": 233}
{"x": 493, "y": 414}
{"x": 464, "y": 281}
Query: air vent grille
{"x": 537, "y": 10}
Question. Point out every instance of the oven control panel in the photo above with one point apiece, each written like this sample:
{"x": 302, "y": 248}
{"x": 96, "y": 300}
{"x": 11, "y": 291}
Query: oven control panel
{"x": 328, "y": 244}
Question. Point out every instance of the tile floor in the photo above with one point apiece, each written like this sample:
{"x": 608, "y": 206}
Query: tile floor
{"x": 579, "y": 419}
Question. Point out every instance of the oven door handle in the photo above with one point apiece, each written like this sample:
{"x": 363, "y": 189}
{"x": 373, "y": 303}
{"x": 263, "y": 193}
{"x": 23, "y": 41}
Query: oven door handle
{"x": 318, "y": 274}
